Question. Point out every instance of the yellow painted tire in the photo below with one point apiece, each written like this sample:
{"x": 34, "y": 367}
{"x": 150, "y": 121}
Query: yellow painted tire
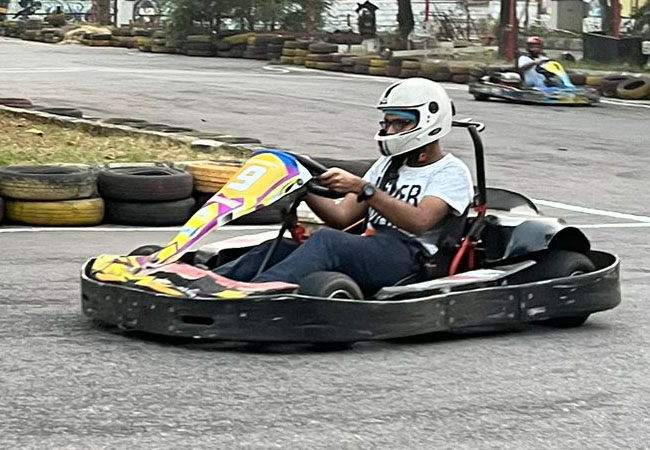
{"x": 287, "y": 60}
{"x": 460, "y": 68}
{"x": 633, "y": 89}
{"x": 411, "y": 65}
{"x": 364, "y": 60}
{"x": 434, "y": 66}
{"x": 311, "y": 64}
{"x": 211, "y": 176}
{"x": 64, "y": 213}
{"x": 302, "y": 53}
{"x": 594, "y": 80}
{"x": 288, "y": 52}
{"x": 299, "y": 60}
{"x": 377, "y": 70}
{"x": 378, "y": 62}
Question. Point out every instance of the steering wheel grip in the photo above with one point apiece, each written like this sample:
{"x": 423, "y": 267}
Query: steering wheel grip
{"x": 323, "y": 191}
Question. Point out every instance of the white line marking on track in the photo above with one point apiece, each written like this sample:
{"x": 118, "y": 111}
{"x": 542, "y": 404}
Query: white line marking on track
{"x": 626, "y": 103}
{"x": 276, "y": 69}
{"x": 129, "y": 229}
{"x": 613, "y": 225}
{"x": 592, "y": 211}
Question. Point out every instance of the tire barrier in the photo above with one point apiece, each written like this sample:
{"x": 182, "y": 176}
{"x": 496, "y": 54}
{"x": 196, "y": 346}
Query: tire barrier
{"x": 149, "y": 213}
{"x": 68, "y": 112}
{"x": 610, "y": 84}
{"x": 578, "y": 79}
{"x": 633, "y": 89}
{"x": 210, "y": 176}
{"x": 83, "y": 212}
{"x": 2, "y": 209}
{"x": 15, "y": 102}
{"x": 47, "y": 183}
{"x": 144, "y": 184}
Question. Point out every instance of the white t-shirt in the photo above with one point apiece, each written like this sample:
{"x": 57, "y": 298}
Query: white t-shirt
{"x": 532, "y": 77}
{"x": 448, "y": 179}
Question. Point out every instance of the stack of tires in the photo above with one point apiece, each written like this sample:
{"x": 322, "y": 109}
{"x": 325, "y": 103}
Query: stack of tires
{"x": 322, "y": 56}
{"x": 123, "y": 37}
{"x": 31, "y": 29}
{"x": 625, "y": 87}
{"x": 51, "y": 195}
{"x": 233, "y": 46}
{"x": 264, "y": 46}
{"x": 199, "y": 45}
{"x": 410, "y": 69}
{"x": 97, "y": 39}
{"x": 378, "y": 66}
{"x": 143, "y": 40}
{"x": 295, "y": 52}
{"x": 51, "y": 35}
{"x": 159, "y": 42}
{"x": 362, "y": 63}
{"x": 146, "y": 195}
{"x": 348, "y": 63}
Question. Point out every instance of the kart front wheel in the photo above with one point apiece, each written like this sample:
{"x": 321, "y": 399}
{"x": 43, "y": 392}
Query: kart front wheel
{"x": 559, "y": 264}
{"x": 481, "y": 97}
{"x": 145, "y": 250}
{"x": 330, "y": 285}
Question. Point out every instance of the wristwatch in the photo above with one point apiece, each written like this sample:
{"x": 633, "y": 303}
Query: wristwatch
{"x": 367, "y": 192}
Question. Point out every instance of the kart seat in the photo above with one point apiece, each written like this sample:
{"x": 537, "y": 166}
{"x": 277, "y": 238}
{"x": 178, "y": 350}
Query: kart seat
{"x": 452, "y": 231}
{"x": 511, "y": 78}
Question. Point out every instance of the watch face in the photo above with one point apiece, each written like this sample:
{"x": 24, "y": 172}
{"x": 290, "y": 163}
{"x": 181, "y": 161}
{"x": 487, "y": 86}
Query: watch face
{"x": 368, "y": 190}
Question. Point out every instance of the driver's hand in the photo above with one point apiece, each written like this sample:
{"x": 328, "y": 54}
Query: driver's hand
{"x": 341, "y": 181}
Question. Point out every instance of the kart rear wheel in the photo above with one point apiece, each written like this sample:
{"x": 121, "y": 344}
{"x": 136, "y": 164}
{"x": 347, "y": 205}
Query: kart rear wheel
{"x": 330, "y": 285}
{"x": 558, "y": 264}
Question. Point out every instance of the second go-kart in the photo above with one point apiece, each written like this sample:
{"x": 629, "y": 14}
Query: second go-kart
{"x": 560, "y": 90}
{"x": 509, "y": 266}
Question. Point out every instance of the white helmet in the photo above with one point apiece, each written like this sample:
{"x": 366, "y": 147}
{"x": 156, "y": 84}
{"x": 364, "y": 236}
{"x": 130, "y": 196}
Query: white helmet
{"x": 430, "y": 104}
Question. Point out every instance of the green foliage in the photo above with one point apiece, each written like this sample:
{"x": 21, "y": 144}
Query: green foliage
{"x": 642, "y": 17}
{"x": 207, "y": 16}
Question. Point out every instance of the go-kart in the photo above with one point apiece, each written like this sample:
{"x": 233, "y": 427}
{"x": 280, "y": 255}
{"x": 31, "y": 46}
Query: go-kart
{"x": 560, "y": 90}
{"x": 508, "y": 266}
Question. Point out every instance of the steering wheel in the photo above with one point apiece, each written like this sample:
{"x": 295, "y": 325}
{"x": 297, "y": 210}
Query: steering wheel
{"x": 316, "y": 169}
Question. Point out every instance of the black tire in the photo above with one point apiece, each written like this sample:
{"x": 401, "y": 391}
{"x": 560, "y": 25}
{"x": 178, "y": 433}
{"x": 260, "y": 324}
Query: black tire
{"x": 142, "y": 184}
{"x": 330, "y": 285}
{"x": 611, "y": 83}
{"x": 481, "y": 97}
{"x": 2, "y": 209}
{"x": 123, "y": 121}
{"x": 149, "y": 214}
{"x": 67, "y": 112}
{"x": 145, "y": 250}
{"x": 15, "y": 102}
{"x": 47, "y": 182}
{"x": 559, "y": 264}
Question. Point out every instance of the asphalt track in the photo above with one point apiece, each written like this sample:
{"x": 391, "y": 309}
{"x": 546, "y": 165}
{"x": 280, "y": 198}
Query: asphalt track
{"x": 67, "y": 384}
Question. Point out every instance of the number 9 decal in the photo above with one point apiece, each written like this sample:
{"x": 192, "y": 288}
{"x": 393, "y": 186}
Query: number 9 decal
{"x": 246, "y": 179}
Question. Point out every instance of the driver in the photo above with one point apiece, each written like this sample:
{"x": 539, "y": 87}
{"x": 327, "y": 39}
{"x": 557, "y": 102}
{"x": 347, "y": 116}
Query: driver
{"x": 527, "y": 64}
{"x": 405, "y": 198}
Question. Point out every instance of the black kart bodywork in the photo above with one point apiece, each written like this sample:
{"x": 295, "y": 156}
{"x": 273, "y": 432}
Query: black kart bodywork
{"x": 509, "y": 279}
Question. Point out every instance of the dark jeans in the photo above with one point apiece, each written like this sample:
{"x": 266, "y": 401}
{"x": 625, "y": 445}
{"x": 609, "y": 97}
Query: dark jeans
{"x": 372, "y": 261}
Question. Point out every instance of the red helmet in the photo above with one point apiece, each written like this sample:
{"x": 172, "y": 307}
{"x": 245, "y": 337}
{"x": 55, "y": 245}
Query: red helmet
{"x": 534, "y": 44}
